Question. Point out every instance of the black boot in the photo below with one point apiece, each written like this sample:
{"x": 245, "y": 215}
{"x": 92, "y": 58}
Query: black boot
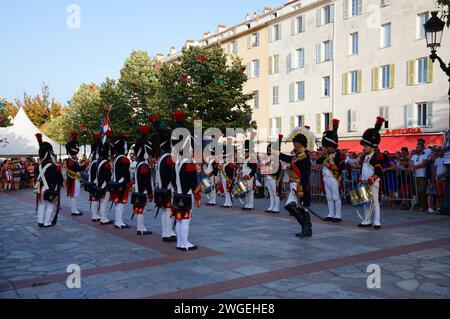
{"x": 299, "y": 214}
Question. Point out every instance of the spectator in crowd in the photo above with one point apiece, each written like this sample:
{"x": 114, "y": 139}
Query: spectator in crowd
{"x": 427, "y": 150}
{"x": 405, "y": 177}
{"x": 405, "y": 153}
{"x": 431, "y": 180}
{"x": 419, "y": 163}
{"x": 390, "y": 178}
{"x": 440, "y": 170}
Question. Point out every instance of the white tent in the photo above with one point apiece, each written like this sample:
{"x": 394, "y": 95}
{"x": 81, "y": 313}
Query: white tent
{"x": 21, "y": 138}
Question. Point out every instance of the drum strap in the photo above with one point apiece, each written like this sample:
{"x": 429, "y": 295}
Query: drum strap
{"x": 158, "y": 171}
{"x": 136, "y": 184}
{"x": 89, "y": 170}
{"x": 41, "y": 176}
{"x": 98, "y": 173}
{"x": 114, "y": 168}
{"x": 178, "y": 167}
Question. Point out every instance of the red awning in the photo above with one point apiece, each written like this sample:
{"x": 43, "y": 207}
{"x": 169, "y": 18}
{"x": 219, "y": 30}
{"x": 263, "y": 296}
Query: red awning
{"x": 395, "y": 143}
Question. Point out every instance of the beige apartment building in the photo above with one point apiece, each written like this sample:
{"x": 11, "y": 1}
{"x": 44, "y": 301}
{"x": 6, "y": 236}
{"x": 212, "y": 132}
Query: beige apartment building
{"x": 310, "y": 61}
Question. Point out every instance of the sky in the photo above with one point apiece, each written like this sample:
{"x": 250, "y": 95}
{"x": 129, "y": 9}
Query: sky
{"x": 41, "y": 41}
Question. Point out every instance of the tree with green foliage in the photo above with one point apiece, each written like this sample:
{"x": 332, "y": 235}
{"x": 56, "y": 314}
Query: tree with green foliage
{"x": 444, "y": 9}
{"x": 208, "y": 84}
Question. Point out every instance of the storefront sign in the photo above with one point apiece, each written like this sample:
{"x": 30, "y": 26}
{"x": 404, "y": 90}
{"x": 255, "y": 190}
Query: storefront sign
{"x": 404, "y": 131}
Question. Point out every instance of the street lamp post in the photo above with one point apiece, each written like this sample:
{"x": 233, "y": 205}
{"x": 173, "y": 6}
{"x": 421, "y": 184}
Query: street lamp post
{"x": 434, "y": 28}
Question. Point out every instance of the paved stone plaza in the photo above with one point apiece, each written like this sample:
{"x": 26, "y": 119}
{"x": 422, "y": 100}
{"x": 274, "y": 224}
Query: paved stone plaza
{"x": 241, "y": 255}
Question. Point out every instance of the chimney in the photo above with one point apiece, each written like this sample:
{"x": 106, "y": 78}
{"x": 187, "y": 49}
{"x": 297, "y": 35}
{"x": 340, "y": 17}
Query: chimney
{"x": 255, "y": 15}
{"x": 221, "y": 28}
{"x": 159, "y": 57}
{"x": 172, "y": 51}
{"x": 247, "y": 17}
{"x": 206, "y": 35}
{"x": 267, "y": 10}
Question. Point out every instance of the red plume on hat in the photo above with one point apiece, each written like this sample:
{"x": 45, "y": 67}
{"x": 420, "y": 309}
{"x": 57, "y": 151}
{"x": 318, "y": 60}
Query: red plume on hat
{"x": 74, "y": 135}
{"x": 39, "y": 137}
{"x": 144, "y": 130}
{"x": 379, "y": 124}
{"x": 97, "y": 136}
{"x": 336, "y": 127}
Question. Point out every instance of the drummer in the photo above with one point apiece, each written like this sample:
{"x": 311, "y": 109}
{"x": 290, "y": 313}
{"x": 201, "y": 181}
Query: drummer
{"x": 211, "y": 169}
{"x": 227, "y": 175}
{"x": 249, "y": 170}
{"x": 372, "y": 171}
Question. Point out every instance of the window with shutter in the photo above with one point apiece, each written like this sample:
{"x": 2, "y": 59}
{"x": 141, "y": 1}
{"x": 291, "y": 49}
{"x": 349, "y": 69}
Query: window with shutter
{"x": 430, "y": 71}
{"x": 293, "y": 118}
{"x": 375, "y": 78}
{"x": 384, "y": 113}
{"x": 271, "y": 34}
{"x": 249, "y": 42}
{"x": 346, "y": 9}
{"x": 293, "y": 26}
{"x": 295, "y": 61}
{"x": 409, "y": 116}
{"x": 249, "y": 70}
{"x": 276, "y": 62}
{"x": 392, "y": 79}
{"x": 319, "y": 17}
{"x": 270, "y": 65}
{"x": 289, "y": 63}
{"x": 359, "y": 80}
{"x": 429, "y": 114}
{"x": 411, "y": 69}
{"x": 319, "y": 53}
{"x": 291, "y": 92}
{"x": 318, "y": 123}
{"x": 345, "y": 80}
{"x": 301, "y": 57}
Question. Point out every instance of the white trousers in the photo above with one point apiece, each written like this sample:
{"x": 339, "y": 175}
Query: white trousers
{"x": 375, "y": 189}
{"x": 104, "y": 205}
{"x": 141, "y": 223}
{"x": 228, "y": 201}
{"x": 271, "y": 185}
{"x": 333, "y": 197}
{"x": 46, "y": 211}
{"x": 182, "y": 229}
{"x": 167, "y": 223}
{"x": 74, "y": 199}
{"x": 119, "y": 215}
{"x": 95, "y": 209}
{"x": 250, "y": 198}
{"x": 213, "y": 195}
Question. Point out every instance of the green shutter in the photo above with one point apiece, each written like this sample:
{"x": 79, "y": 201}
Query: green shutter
{"x": 375, "y": 78}
{"x": 359, "y": 81}
{"x": 430, "y": 70}
{"x": 411, "y": 76}
{"x": 345, "y": 83}
{"x": 270, "y": 65}
{"x": 392, "y": 79}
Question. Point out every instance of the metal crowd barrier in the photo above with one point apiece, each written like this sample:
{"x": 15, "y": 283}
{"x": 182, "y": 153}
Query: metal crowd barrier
{"x": 398, "y": 189}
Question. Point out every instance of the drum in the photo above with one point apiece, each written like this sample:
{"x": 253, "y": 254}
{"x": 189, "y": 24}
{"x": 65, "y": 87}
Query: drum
{"x": 205, "y": 185}
{"x": 240, "y": 189}
{"x": 361, "y": 196}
